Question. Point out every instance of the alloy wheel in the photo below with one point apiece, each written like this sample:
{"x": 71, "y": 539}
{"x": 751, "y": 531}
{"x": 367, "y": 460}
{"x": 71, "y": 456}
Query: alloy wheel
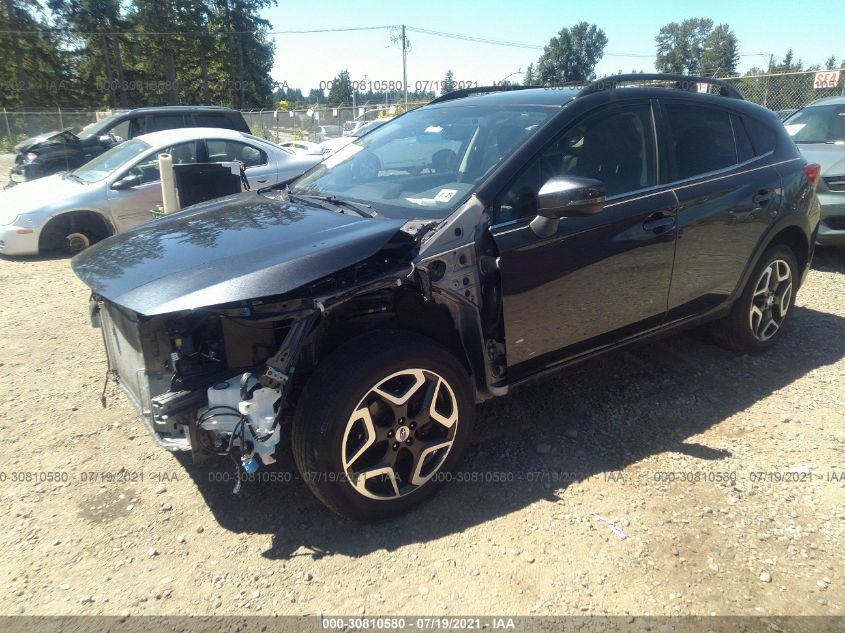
{"x": 400, "y": 433}
{"x": 771, "y": 300}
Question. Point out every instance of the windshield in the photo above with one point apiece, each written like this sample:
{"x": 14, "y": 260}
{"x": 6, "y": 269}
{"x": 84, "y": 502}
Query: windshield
{"x": 104, "y": 164}
{"x": 369, "y": 127}
{"x": 423, "y": 164}
{"x": 818, "y": 124}
{"x": 98, "y": 128}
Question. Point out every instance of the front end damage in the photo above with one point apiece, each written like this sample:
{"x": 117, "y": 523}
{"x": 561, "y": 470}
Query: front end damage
{"x": 225, "y": 379}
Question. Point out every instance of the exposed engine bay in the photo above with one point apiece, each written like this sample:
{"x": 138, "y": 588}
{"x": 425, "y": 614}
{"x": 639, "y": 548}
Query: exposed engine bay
{"x": 223, "y": 380}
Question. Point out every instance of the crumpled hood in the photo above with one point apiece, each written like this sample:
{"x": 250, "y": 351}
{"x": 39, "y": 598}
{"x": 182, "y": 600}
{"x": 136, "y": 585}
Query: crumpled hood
{"x": 830, "y": 156}
{"x": 236, "y": 248}
{"x": 40, "y": 194}
{"x": 28, "y": 144}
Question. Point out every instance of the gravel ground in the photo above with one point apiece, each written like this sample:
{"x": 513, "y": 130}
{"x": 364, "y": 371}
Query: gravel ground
{"x": 748, "y": 519}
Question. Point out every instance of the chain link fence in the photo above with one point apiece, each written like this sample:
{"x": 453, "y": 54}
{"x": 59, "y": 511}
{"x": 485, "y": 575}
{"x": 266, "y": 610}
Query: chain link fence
{"x": 17, "y": 126}
{"x": 782, "y": 93}
{"x": 315, "y": 124}
{"x": 786, "y": 92}
{"x": 318, "y": 123}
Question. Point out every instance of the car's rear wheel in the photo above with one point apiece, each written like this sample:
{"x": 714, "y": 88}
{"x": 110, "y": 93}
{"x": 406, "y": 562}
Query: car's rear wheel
{"x": 381, "y": 423}
{"x": 758, "y": 317}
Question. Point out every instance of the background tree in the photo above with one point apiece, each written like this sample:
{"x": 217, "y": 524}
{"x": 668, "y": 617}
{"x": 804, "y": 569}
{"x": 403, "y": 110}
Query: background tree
{"x": 250, "y": 52}
{"x": 530, "y": 76}
{"x": 572, "y": 55}
{"x": 720, "y": 53}
{"x": 341, "y": 90}
{"x": 448, "y": 84}
{"x": 680, "y": 46}
{"x": 36, "y": 69}
{"x": 830, "y": 64}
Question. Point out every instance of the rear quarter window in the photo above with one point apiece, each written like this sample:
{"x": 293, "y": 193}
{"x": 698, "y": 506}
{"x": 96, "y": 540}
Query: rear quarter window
{"x": 763, "y": 136}
{"x": 744, "y": 146}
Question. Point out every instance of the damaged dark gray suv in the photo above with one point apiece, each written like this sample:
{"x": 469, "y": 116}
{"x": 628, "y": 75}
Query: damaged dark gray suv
{"x": 368, "y": 306}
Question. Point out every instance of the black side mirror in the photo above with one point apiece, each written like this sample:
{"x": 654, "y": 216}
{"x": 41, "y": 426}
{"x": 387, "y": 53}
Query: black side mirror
{"x": 566, "y": 196}
{"x": 127, "y": 182}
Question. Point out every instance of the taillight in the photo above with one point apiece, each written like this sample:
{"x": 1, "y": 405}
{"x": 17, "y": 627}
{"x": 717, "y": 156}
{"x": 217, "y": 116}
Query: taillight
{"x": 813, "y": 171}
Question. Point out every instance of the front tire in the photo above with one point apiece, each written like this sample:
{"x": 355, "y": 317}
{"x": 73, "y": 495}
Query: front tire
{"x": 758, "y": 317}
{"x": 381, "y": 422}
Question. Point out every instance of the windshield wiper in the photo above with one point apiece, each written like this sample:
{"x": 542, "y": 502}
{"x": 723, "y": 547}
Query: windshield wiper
{"x": 73, "y": 176}
{"x": 360, "y": 208}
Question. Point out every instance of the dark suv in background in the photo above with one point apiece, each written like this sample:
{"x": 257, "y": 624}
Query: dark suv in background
{"x": 62, "y": 150}
{"x": 367, "y": 307}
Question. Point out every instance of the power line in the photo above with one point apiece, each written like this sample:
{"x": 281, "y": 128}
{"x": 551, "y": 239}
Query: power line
{"x": 200, "y": 33}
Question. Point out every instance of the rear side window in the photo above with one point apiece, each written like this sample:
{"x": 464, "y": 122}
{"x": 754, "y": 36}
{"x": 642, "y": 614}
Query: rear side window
{"x": 214, "y": 120}
{"x": 220, "y": 151}
{"x": 165, "y": 122}
{"x": 702, "y": 139}
{"x": 762, "y": 135}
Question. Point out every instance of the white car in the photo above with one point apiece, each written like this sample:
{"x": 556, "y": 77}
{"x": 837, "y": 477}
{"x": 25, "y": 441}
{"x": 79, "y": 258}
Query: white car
{"x": 360, "y": 129}
{"x": 305, "y": 147}
{"x": 119, "y": 188}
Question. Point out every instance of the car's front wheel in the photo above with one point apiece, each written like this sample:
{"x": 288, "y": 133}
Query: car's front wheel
{"x": 381, "y": 424}
{"x": 758, "y": 317}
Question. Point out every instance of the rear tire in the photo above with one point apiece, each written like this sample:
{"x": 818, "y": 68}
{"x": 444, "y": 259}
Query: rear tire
{"x": 757, "y": 319}
{"x": 381, "y": 422}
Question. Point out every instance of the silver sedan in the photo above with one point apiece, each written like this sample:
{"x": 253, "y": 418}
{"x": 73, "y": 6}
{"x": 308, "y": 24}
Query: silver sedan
{"x": 118, "y": 189}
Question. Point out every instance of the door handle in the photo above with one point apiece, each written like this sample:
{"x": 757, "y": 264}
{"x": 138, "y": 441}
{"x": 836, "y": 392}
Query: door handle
{"x": 262, "y": 180}
{"x": 762, "y": 197}
{"x": 658, "y": 223}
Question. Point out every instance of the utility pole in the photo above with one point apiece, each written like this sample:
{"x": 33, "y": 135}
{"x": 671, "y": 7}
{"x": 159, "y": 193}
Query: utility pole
{"x": 768, "y": 80}
{"x": 405, "y": 66}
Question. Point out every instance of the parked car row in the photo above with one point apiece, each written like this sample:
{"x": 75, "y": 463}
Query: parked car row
{"x": 446, "y": 257}
{"x": 62, "y": 150}
{"x": 117, "y": 189}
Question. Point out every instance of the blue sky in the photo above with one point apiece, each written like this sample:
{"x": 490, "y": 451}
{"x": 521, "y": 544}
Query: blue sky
{"x": 304, "y": 60}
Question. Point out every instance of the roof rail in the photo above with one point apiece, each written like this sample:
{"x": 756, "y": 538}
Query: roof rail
{"x": 465, "y": 92}
{"x": 682, "y": 82}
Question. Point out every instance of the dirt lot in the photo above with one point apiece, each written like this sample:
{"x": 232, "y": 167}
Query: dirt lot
{"x": 725, "y": 474}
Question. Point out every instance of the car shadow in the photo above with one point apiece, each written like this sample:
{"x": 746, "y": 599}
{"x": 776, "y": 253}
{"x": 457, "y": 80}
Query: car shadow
{"x": 593, "y": 419}
{"x": 45, "y": 256}
{"x": 829, "y": 259}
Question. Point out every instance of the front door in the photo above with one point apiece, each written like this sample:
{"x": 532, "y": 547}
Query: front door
{"x": 130, "y": 207}
{"x": 598, "y": 279}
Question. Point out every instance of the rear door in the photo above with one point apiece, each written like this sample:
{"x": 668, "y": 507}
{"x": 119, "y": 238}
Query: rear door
{"x": 598, "y": 279}
{"x": 728, "y": 192}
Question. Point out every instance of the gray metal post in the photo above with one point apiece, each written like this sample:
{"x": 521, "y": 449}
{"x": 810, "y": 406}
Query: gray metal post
{"x": 405, "y": 66}
{"x": 8, "y": 128}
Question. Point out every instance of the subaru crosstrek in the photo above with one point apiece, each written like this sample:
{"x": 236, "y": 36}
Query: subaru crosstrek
{"x": 363, "y": 310}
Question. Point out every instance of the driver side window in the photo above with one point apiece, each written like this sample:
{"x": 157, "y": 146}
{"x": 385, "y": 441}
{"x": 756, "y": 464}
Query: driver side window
{"x": 615, "y": 145}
